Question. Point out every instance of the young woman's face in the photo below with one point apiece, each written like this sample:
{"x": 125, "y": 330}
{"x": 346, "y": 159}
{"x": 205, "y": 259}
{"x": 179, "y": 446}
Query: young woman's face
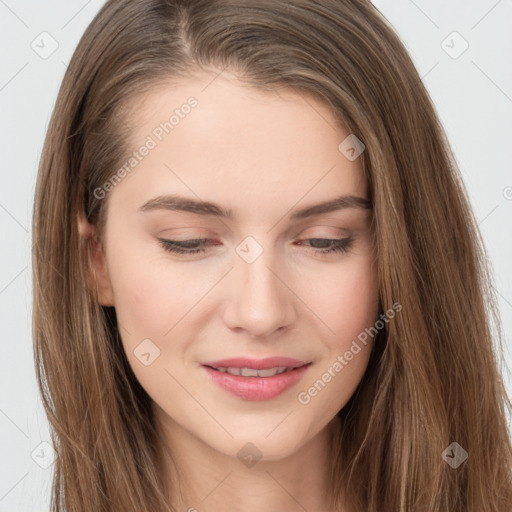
{"x": 263, "y": 285}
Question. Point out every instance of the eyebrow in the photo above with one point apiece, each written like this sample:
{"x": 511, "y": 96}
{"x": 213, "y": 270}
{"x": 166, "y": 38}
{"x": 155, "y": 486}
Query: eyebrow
{"x": 206, "y": 208}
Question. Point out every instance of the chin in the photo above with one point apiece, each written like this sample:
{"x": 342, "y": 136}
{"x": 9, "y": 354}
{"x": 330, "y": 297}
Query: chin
{"x": 260, "y": 446}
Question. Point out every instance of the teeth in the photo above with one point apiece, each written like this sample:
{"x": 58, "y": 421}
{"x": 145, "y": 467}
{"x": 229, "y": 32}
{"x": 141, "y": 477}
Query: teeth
{"x": 248, "y": 372}
{"x": 272, "y": 371}
{"x": 252, "y": 372}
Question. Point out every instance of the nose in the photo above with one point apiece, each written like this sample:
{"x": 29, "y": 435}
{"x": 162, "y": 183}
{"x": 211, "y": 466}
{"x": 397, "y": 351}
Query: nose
{"x": 259, "y": 295}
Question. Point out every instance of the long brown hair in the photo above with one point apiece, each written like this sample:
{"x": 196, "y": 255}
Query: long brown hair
{"x": 434, "y": 375}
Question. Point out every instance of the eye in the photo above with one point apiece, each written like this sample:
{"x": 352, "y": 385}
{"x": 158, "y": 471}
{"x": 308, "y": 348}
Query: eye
{"x": 330, "y": 245}
{"x": 197, "y": 245}
{"x": 192, "y": 246}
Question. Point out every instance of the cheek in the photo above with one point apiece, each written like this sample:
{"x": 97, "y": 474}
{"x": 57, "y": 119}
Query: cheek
{"x": 348, "y": 304}
{"x": 152, "y": 300}
{"x": 151, "y": 293}
{"x": 140, "y": 299}
{"x": 346, "y": 299}
{"x": 149, "y": 299}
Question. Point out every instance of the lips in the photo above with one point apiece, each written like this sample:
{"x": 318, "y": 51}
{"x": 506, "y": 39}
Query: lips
{"x": 256, "y": 379}
{"x": 257, "y": 364}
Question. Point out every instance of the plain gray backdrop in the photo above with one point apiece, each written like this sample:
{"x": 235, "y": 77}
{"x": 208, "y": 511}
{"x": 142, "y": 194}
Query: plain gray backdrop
{"x": 462, "y": 50}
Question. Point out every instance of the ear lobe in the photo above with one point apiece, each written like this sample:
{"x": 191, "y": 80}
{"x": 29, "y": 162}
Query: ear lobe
{"x": 96, "y": 262}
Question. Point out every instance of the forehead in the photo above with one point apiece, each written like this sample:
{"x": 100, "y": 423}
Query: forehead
{"x": 219, "y": 139}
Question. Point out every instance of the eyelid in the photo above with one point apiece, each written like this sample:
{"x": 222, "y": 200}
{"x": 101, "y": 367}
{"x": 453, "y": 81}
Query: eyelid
{"x": 335, "y": 245}
{"x": 320, "y": 231}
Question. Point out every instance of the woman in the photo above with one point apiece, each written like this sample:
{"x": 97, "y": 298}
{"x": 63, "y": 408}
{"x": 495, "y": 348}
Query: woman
{"x": 258, "y": 282}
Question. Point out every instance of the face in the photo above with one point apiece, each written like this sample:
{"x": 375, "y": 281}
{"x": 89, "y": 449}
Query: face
{"x": 212, "y": 251}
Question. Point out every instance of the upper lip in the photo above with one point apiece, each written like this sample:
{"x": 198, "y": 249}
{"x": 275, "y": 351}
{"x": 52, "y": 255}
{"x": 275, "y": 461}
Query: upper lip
{"x": 257, "y": 364}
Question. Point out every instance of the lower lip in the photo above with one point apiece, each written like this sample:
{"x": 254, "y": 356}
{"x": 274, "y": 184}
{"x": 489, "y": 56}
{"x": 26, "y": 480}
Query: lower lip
{"x": 256, "y": 388}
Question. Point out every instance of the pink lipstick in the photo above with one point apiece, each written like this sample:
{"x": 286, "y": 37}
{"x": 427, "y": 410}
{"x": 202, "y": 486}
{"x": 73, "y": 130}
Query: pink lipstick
{"x": 256, "y": 379}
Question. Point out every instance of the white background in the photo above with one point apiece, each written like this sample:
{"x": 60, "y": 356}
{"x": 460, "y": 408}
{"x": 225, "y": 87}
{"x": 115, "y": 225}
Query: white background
{"x": 472, "y": 93}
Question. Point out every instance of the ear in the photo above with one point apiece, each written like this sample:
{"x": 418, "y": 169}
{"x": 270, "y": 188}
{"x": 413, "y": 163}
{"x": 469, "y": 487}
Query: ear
{"x": 96, "y": 261}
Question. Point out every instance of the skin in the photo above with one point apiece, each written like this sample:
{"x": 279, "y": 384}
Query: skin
{"x": 262, "y": 155}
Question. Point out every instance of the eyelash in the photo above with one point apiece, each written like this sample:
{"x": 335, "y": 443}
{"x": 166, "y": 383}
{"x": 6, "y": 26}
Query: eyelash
{"x": 338, "y": 245}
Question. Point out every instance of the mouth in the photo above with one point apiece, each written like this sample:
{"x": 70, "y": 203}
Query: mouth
{"x": 256, "y": 380}
{"x": 254, "y": 372}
